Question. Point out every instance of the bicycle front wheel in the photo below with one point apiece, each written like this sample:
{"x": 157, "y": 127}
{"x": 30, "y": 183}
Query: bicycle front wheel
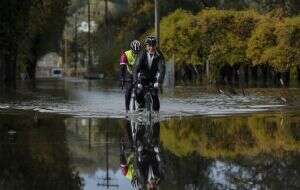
{"x": 148, "y": 106}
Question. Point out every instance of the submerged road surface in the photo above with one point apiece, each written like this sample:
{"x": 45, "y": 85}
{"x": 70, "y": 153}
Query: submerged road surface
{"x": 101, "y": 99}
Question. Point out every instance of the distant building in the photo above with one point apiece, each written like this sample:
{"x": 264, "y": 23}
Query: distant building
{"x": 49, "y": 66}
{"x": 84, "y": 26}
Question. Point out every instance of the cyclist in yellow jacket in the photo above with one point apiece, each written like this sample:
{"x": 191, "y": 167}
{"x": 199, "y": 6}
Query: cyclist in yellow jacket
{"x": 127, "y": 63}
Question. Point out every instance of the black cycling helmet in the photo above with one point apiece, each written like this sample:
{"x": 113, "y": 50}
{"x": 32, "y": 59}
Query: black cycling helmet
{"x": 151, "y": 41}
{"x": 135, "y": 46}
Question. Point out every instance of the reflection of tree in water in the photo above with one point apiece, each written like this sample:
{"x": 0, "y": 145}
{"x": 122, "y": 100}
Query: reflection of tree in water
{"x": 190, "y": 172}
{"x": 230, "y": 137}
{"x": 86, "y": 143}
{"x": 38, "y": 158}
{"x": 264, "y": 172}
{"x": 258, "y": 151}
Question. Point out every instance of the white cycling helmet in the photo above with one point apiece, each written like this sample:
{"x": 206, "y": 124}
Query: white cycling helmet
{"x": 135, "y": 46}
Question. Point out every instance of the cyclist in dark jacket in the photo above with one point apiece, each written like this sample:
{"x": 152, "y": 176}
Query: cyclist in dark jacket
{"x": 150, "y": 68}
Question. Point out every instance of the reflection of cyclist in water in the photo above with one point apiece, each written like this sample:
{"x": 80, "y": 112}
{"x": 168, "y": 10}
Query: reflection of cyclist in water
{"x": 141, "y": 165}
{"x": 128, "y": 170}
{"x": 126, "y": 160}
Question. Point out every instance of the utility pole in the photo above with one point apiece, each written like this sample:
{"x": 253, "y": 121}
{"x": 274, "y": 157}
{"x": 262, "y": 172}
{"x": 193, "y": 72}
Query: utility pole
{"x": 106, "y": 12}
{"x": 89, "y": 41}
{"x": 90, "y": 134}
{"x": 157, "y": 22}
{"x": 66, "y": 52}
{"x": 107, "y": 180}
{"x": 106, "y": 22}
{"x": 76, "y": 44}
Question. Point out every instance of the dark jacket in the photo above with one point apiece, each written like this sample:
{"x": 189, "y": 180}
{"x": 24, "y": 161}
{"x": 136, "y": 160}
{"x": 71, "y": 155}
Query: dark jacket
{"x": 158, "y": 66}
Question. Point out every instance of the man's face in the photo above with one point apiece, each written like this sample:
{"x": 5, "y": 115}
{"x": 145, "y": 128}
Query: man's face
{"x": 151, "y": 49}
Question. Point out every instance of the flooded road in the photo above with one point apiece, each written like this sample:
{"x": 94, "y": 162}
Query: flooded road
{"x": 99, "y": 99}
{"x": 68, "y": 135}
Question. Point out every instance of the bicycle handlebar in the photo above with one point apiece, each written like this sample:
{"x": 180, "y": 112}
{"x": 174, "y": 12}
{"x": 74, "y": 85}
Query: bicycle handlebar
{"x": 150, "y": 85}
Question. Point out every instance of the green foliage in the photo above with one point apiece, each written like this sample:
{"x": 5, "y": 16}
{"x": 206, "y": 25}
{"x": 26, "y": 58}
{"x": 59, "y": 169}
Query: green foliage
{"x": 214, "y": 35}
{"x": 229, "y": 50}
{"x": 220, "y": 36}
{"x": 179, "y": 36}
{"x": 287, "y": 51}
{"x": 276, "y": 42}
{"x": 231, "y": 37}
{"x": 262, "y": 38}
{"x": 31, "y": 28}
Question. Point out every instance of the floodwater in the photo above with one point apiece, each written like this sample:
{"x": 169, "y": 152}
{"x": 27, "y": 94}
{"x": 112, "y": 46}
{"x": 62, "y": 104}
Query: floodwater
{"x": 103, "y": 99}
{"x": 67, "y": 135}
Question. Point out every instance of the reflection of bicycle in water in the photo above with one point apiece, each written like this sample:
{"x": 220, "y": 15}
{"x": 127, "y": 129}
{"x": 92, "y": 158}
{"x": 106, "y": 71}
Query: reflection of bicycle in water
{"x": 140, "y": 157}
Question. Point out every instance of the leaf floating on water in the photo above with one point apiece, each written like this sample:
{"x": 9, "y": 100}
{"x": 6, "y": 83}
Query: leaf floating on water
{"x": 221, "y": 91}
{"x": 12, "y": 132}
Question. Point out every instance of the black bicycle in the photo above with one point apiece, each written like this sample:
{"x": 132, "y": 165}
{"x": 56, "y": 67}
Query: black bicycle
{"x": 133, "y": 102}
{"x": 148, "y": 89}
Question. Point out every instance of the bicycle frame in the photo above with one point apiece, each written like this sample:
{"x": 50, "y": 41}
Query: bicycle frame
{"x": 148, "y": 103}
{"x": 132, "y": 106}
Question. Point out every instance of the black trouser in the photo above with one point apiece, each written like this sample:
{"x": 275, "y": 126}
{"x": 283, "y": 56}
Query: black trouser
{"x": 123, "y": 160}
{"x": 140, "y": 94}
{"x": 143, "y": 166}
{"x": 128, "y": 91}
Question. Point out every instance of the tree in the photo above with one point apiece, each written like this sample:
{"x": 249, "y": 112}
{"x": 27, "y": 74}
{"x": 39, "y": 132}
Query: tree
{"x": 46, "y": 23}
{"x": 262, "y": 38}
{"x": 29, "y": 29}
{"x": 13, "y": 22}
{"x": 287, "y": 7}
{"x": 214, "y": 35}
{"x": 276, "y": 43}
{"x": 178, "y": 37}
{"x": 286, "y": 53}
